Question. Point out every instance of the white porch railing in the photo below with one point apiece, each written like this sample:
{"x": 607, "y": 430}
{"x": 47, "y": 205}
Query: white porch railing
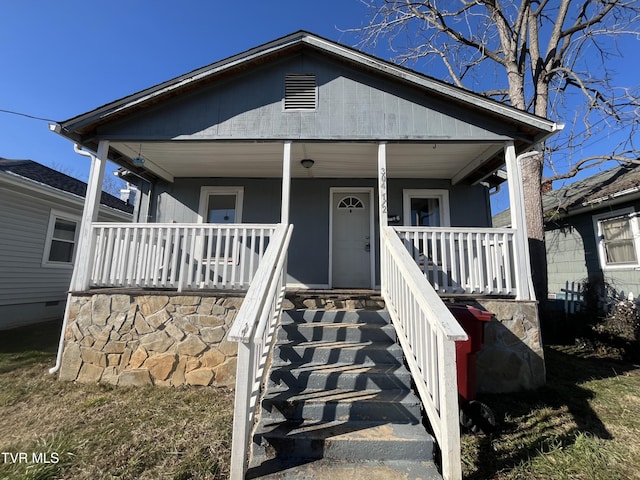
{"x": 253, "y": 329}
{"x": 427, "y": 332}
{"x": 464, "y": 260}
{"x": 176, "y": 255}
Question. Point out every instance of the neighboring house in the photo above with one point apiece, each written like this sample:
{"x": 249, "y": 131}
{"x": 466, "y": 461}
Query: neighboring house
{"x": 40, "y": 217}
{"x": 592, "y": 231}
{"x": 382, "y": 172}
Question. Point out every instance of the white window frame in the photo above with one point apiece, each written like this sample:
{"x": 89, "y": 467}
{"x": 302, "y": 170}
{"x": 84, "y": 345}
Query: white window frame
{"x": 53, "y": 216}
{"x": 440, "y": 194}
{"x": 205, "y": 192}
{"x": 632, "y": 215}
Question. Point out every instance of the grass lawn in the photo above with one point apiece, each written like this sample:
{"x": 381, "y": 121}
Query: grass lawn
{"x": 103, "y": 432}
{"x": 585, "y": 424}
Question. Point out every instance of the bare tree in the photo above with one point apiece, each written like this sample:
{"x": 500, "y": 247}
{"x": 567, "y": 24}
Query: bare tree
{"x": 538, "y": 53}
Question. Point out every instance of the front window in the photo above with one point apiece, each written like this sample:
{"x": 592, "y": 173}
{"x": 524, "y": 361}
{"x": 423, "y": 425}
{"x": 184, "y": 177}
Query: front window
{"x": 221, "y": 208}
{"x": 426, "y": 208}
{"x": 618, "y": 239}
{"x": 221, "y": 204}
{"x": 61, "y": 240}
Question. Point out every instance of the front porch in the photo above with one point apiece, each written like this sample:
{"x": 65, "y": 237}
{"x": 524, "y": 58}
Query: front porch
{"x": 191, "y": 243}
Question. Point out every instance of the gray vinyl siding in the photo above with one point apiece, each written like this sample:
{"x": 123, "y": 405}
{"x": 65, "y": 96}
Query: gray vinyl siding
{"x": 309, "y": 211}
{"x": 23, "y": 231}
{"x": 351, "y": 105}
{"x": 27, "y": 288}
{"x": 572, "y": 254}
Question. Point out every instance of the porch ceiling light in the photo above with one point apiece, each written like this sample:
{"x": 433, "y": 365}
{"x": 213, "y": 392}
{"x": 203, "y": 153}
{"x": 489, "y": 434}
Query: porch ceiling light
{"x": 138, "y": 161}
{"x": 307, "y": 162}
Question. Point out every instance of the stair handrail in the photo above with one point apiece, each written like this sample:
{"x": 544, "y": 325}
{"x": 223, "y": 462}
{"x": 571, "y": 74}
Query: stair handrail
{"x": 427, "y": 332}
{"x": 253, "y": 330}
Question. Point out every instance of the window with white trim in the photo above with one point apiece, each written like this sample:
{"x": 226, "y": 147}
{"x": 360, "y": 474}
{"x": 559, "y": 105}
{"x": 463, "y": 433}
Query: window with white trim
{"x": 618, "y": 238}
{"x": 426, "y": 208}
{"x": 61, "y": 240}
{"x": 221, "y": 204}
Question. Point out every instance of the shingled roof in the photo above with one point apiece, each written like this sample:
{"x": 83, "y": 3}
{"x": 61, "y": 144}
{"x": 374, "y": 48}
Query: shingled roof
{"x": 590, "y": 192}
{"x": 38, "y": 173}
{"x": 599, "y": 188}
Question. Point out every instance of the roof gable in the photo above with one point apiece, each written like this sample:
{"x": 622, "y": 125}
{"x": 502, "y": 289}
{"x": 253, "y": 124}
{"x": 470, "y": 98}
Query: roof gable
{"x": 86, "y": 125}
{"x": 351, "y": 105}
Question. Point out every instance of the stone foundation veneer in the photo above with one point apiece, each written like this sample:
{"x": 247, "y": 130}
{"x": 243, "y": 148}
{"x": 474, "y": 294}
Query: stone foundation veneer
{"x": 512, "y": 358}
{"x": 180, "y": 339}
{"x": 144, "y": 339}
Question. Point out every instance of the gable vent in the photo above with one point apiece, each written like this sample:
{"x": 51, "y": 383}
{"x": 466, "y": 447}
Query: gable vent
{"x": 300, "y": 92}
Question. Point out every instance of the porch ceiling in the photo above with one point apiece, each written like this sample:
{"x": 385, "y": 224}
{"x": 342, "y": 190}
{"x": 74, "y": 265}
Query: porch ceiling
{"x": 331, "y": 159}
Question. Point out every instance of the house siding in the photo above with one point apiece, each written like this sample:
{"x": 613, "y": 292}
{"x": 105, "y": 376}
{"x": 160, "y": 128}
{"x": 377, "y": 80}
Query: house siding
{"x": 351, "y": 104}
{"x": 309, "y": 212}
{"x": 29, "y": 291}
{"x": 572, "y": 254}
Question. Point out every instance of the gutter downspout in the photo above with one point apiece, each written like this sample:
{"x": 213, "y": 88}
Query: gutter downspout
{"x": 56, "y": 367}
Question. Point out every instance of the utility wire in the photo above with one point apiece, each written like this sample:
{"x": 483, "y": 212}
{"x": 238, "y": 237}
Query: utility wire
{"x": 27, "y": 116}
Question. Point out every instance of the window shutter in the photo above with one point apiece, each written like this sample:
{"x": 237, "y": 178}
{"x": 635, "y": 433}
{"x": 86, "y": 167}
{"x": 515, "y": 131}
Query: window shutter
{"x": 300, "y": 92}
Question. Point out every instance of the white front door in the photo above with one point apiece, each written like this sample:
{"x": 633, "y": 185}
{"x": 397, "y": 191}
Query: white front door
{"x": 351, "y": 241}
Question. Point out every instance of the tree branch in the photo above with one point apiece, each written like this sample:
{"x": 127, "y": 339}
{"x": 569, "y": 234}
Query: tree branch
{"x": 592, "y": 161}
{"x": 436, "y": 19}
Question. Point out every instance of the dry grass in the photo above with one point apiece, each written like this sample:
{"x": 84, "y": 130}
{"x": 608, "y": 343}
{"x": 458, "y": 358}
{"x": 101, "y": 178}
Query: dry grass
{"x": 101, "y": 432}
{"x": 584, "y": 424}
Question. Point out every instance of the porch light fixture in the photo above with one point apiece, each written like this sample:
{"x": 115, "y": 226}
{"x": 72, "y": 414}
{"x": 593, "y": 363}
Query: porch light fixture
{"x": 138, "y": 161}
{"x": 307, "y": 162}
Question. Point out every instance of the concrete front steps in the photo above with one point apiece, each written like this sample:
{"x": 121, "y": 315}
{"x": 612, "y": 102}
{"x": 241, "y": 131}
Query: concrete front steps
{"x": 338, "y": 403}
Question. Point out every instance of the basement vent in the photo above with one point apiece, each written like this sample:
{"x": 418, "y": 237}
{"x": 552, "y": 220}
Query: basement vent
{"x": 300, "y": 92}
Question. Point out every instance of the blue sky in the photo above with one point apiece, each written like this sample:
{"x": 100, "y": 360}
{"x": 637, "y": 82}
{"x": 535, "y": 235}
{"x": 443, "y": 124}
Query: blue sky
{"x": 63, "y": 58}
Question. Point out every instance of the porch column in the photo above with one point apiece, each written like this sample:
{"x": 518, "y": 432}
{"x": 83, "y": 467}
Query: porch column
{"x": 84, "y": 255}
{"x": 518, "y": 223}
{"x": 286, "y": 182}
{"x": 382, "y": 184}
{"x": 383, "y": 220}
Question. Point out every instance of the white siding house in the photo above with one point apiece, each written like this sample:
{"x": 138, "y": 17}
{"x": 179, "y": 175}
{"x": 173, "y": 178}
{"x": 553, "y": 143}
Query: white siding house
{"x": 39, "y": 222}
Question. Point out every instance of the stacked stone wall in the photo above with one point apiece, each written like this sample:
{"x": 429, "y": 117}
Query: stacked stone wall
{"x": 167, "y": 340}
{"x": 512, "y": 358}
{"x": 174, "y": 339}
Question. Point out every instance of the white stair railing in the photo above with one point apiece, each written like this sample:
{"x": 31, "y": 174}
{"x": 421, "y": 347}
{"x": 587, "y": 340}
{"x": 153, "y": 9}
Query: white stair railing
{"x": 253, "y": 329}
{"x": 175, "y": 255}
{"x": 477, "y": 261}
{"x": 427, "y": 332}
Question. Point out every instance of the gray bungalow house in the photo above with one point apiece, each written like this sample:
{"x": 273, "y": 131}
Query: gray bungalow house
{"x": 303, "y": 165}
{"x": 39, "y": 227}
{"x": 592, "y": 232}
